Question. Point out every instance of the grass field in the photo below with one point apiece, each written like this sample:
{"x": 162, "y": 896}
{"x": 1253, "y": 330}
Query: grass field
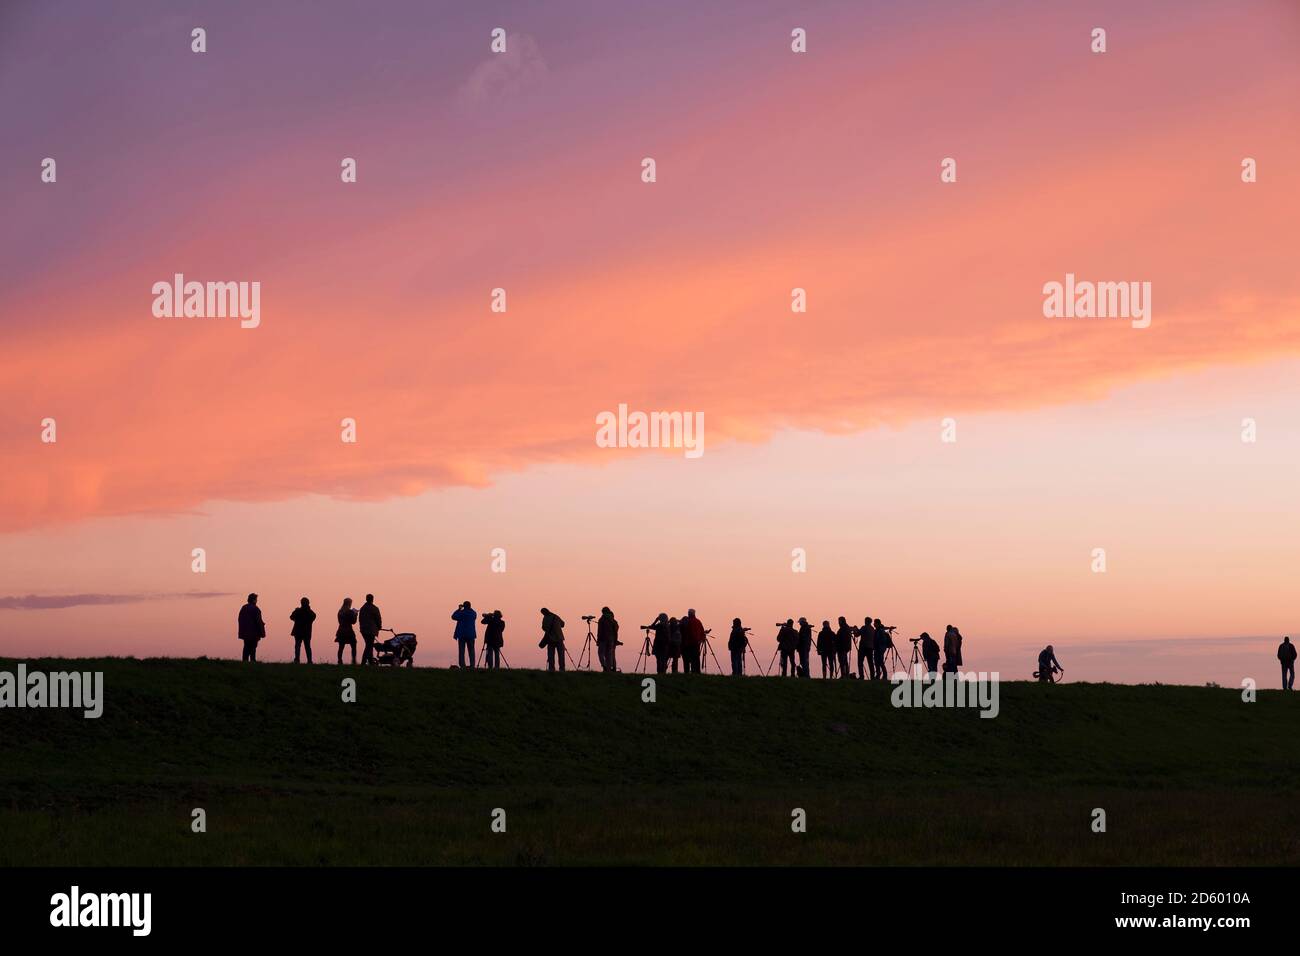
{"x": 589, "y": 774}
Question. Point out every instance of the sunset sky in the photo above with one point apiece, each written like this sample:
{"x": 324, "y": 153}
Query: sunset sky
{"x": 775, "y": 170}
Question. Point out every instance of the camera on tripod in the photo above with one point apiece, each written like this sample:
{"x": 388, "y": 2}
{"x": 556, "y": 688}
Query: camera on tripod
{"x": 915, "y": 640}
{"x": 589, "y": 617}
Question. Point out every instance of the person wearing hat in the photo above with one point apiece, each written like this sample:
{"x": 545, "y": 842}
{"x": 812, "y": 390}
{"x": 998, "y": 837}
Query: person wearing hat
{"x": 1286, "y": 654}
{"x": 553, "y": 639}
{"x": 466, "y": 633}
{"x": 251, "y": 627}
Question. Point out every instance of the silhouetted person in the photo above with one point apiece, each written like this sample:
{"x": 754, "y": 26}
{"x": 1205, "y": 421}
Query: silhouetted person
{"x": 494, "y": 631}
{"x": 553, "y": 638}
{"x": 787, "y": 640}
{"x": 659, "y": 645}
{"x": 804, "y": 648}
{"x": 865, "y": 635}
{"x": 674, "y": 642}
{"x": 1047, "y": 664}
{"x": 880, "y": 645}
{"x": 607, "y": 639}
{"x": 736, "y": 643}
{"x": 345, "y": 636}
{"x": 370, "y": 622}
{"x": 930, "y": 652}
{"x": 302, "y": 617}
{"x": 826, "y": 650}
{"x": 251, "y": 628}
{"x": 466, "y": 634}
{"x": 1286, "y": 654}
{"x": 844, "y": 646}
{"x": 692, "y": 641}
{"x": 951, "y": 650}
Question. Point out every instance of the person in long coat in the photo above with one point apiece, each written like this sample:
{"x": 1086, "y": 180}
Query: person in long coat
{"x": 345, "y": 636}
{"x": 251, "y": 627}
{"x": 951, "y": 650}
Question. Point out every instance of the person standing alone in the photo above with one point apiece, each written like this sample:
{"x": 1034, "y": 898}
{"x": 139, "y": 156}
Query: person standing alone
{"x": 302, "y": 617}
{"x": 1286, "y": 654}
{"x": 251, "y": 627}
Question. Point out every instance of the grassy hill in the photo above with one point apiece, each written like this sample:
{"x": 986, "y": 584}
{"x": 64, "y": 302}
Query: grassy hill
{"x": 587, "y": 773}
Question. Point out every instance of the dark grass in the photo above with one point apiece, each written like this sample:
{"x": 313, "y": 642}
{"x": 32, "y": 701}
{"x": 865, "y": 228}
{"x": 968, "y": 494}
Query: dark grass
{"x": 589, "y": 774}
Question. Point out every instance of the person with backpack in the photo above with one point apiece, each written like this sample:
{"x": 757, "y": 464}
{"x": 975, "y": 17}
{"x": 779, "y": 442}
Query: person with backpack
{"x": 302, "y": 617}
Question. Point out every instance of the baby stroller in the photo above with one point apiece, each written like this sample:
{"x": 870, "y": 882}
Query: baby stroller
{"x": 396, "y": 651}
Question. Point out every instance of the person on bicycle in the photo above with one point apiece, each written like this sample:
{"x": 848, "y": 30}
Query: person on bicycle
{"x": 1048, "y": 666}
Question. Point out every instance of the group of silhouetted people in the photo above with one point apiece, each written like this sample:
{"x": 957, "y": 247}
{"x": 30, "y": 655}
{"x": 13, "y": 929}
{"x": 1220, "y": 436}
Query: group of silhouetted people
{"x": 677, "y": 643}
{"x": 252, "y": 628}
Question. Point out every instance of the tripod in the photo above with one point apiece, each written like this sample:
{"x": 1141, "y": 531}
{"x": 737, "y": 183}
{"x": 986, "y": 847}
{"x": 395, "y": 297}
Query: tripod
{"x": 704, "y": 658}
{"x": 892, "y": 659}
{"x": 586, "y": 647}
{"x": 646, "y": 652}
{"x": 483, "y": 653}
{"x": 916, "y": 661}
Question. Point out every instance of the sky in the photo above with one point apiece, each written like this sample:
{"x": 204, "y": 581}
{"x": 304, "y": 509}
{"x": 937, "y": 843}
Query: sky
{"x": 824, "y": 430}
